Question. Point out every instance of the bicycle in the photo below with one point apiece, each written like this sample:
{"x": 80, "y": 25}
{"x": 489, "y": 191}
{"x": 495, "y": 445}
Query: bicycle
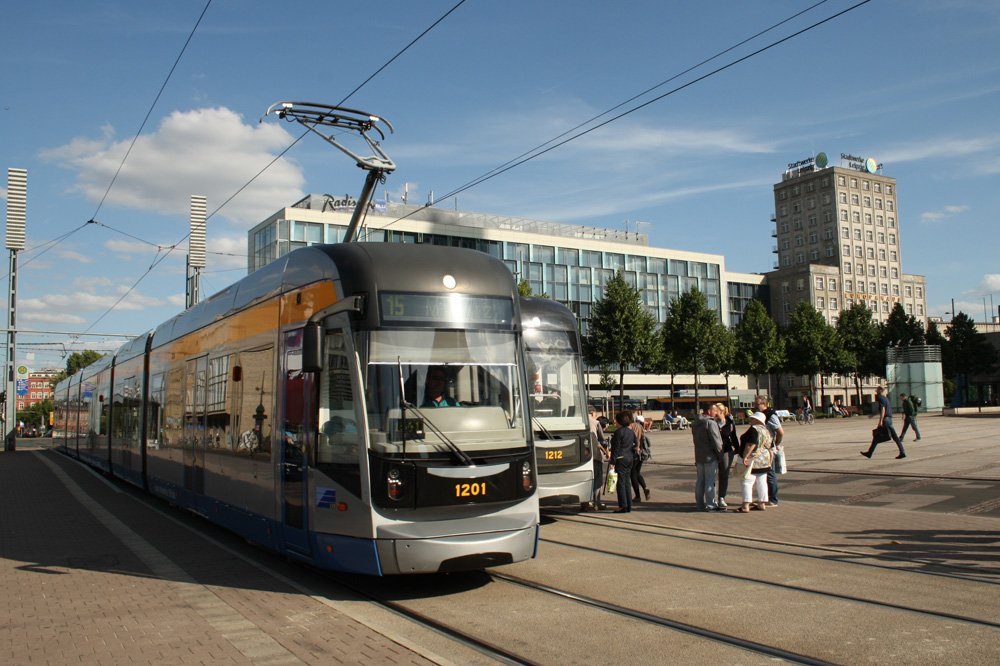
{"x": 802, "y": 420}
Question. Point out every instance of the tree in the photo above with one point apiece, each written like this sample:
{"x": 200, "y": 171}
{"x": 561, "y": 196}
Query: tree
{"x": 696, "y": 337}
{"x": 37, "y": 414}
{"x": 900, "y": 330}
{"x": 76, "y": 362}
{"x": 621, "y": 331}
{"x": 860, "y": 336}
{"x": 967, "y": 352}
{"x": 757, "y": 347}
{"x": 810, "y": 343}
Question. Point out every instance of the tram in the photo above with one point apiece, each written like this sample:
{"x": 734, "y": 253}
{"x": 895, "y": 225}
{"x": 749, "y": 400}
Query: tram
{"x": 360, "y": 407}
{"x": 557, "y": 400}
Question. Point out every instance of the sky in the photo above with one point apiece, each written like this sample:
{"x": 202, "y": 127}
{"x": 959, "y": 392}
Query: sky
{"x": 914, "y": 84}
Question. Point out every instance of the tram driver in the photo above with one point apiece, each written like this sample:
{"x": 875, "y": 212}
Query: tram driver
{"x": 435, "y": 389}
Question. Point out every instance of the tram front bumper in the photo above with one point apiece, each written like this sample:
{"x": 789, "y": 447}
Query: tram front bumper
{"x": 456, "y": 553}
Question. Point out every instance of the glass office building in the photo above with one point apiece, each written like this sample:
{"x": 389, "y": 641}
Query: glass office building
{"x": 570, "y": 263}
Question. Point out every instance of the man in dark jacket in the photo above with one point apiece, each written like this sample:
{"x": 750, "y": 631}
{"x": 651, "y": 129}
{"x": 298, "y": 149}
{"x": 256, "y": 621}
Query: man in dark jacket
{"x": 707, "y": 451}
{"x": 909, "y": 415}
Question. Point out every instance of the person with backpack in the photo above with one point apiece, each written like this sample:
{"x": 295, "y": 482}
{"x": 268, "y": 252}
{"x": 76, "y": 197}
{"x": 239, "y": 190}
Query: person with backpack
{"x": 910, "y": 404}
{"x": 755, "y": 459}
{"x": 777, "y": 432}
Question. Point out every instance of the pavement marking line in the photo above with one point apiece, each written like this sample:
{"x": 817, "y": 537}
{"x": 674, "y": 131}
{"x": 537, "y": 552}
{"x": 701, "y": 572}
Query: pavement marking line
{"x": 241, "y": 633}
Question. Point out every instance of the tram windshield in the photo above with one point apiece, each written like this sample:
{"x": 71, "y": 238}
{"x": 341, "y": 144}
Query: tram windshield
{"x": 431, "y": 391}
{"x": 555, "y": 384}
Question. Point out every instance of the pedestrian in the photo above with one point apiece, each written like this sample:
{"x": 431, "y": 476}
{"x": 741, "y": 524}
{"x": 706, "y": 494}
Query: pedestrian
{"x": 641, "y": 454}
{"x": 774, "y": 427}
{"x": 909, "y": 415}
{"x": 730, "y": 449}
{"x": 622, "y": 447}
{"x": 707, "y": 451}
{"x": 884, "y": 421}
{"x": 601, "y": 454}
{"x": 756, "y": 447}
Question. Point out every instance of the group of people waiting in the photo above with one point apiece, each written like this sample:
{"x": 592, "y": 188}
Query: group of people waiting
{"x": 719, "y": 452}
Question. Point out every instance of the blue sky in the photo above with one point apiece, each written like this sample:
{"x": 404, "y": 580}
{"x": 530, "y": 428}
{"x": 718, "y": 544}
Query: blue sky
{"x": 913, "y": 83}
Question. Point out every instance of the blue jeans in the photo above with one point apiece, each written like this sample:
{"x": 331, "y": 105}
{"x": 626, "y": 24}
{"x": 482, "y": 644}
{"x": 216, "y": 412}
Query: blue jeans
{"x": 909, "y": 421}
{"x": 704, "y": 488}
{"x": 772, "y": 485}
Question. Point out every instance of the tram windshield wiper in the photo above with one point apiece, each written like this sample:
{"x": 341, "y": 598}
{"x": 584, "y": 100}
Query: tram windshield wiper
{"x": 462, "y": 455}
{"x": 539, "y": 427}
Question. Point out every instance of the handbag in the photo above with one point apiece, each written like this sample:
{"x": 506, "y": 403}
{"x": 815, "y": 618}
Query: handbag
{"x": 612, "y": 482}
{"x": 780, "y": 466}
{"x": 880, "y": 434}
{"x": 763, "y": 456}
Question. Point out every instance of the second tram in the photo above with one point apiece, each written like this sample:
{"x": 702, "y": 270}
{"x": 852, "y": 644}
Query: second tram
{"x": 557, "y": 399}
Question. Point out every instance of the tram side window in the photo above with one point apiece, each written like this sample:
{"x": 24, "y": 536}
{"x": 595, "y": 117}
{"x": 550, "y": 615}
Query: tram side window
{"x": 255, "y": 400}
{"x": 154, "y": 415}
{"x": 173, "y": 408}
{"x": 217, "y": 405}
{"x": 338, "y": 430}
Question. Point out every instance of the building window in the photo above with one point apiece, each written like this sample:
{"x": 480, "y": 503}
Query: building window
{"x": 848, "y": 268}
{"x": 814, "y": 237}
{"x": 881, "y": 237}
{"x": 892, "y": 255}
{"x": 920, "y": 309}
{"x": 895, "y": 290}
{"x": 800, "y": 258}
{"x": 920, "y": 292}
{"x": 814, "y": 255}
{"x": 859, "y": 251}
{"x": 892, "y": 239}
{"x": 878, "y": 187}
{"x": 860, "y": 269}
{"x": 889, "y": 205}
{"x": 820, "y": 283}
{"x": 879, "y": 220}
{"x": 833, "y": 304}
{"x": 843, "y": 197}
{"x": 847, "y": 250}
{"x": 843, "y": 215}
{"x": 885, "y": 289}
{"x": 868, "y": 202}
{"x": 868, "y": 218}
{"x": 829, "y": 251}
{"x": 820, "y": 303}
{"x": 892, "y": 221}
{"x": 871, "y": 271}
{"x": 840, "y": 180}
{"x": 856, "y": 216}
{"x": 866, "y": 185}
{"x": 895, "y": 273}
{"x": 800, "y": 284}
{"x": 908, "y": 291}
{"x": 854, "y": 183}
{"x": 855, "y": 199}
{"x": 881, "y": 254}
{"x": 888, "y": 189}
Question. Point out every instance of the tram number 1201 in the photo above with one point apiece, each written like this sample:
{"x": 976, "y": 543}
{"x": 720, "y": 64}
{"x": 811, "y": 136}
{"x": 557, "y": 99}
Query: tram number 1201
{"x": 470, "y": 489}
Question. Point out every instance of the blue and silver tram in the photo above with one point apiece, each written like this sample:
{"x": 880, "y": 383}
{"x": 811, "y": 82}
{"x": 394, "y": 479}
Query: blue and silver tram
{"x": 557, "y": 399}
{"x": 360, "y": 407}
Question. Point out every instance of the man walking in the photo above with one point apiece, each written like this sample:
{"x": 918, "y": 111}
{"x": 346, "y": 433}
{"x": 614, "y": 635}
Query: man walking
{"x": 909, "y": 415}
{"x": 774, "y": 427}
{"x": 884, "y": 421}
{"x": 707, "y": 451}
{"x": 600, "y": 451}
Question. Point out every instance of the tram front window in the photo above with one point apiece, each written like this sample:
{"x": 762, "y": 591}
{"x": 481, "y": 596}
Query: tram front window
{"x": 555, "y": 389}
{"x": 428, "y": 387}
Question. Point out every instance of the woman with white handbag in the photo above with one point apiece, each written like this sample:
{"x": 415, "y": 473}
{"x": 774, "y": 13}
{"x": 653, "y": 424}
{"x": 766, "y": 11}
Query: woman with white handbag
{"x": 756, "y": 456}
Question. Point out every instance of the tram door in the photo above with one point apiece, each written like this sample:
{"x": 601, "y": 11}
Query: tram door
{"x": 194, "y": 425}
{"x": 295, "y": 437}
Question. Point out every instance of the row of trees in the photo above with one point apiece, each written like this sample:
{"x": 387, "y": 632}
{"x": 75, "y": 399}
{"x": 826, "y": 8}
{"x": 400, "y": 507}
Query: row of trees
{"x": 37, "y": 414}
{"x": 693, "y": 341}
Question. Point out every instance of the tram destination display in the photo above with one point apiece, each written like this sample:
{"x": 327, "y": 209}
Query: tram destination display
{"x": 439, "y": 309}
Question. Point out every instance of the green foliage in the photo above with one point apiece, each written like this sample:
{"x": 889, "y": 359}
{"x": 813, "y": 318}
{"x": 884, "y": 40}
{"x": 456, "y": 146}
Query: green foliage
{"x": 860, "y": 338}
{"x": 621, "y": 331}
{"x": 900, "y": 330}
{"x": 758, "y": 349}
{"x": 812, "y": 346}
{"x": 697, "y": 340}
{"x": 37, "y": 414}
{"x": 934, "y": 335}
{"x": 968, "y": 352}
{"x": 76, "y": 362}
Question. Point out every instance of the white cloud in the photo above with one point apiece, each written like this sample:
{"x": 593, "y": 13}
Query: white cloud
{"x": 990, "y": 284}
{"x": 932, "y": 217}
{"x": 75, "y": 256}
{"x": 52, "y": 318}
{"x": 81, "y": 301}
{"x": 209, "y": 152}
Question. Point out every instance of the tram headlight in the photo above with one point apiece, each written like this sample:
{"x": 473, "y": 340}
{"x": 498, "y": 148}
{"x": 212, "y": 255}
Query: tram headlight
{"x": 526, "y": 481}
{"x": 394, "y": 487}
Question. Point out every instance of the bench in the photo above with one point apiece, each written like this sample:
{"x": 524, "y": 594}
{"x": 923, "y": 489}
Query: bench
{"x": 784, "y": 415}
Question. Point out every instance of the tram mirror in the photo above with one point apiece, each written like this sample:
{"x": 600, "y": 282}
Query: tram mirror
{"x": 312, "y": 347}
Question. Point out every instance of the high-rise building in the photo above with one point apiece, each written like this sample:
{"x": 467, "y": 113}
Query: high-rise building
{"x": 837, "y": 241}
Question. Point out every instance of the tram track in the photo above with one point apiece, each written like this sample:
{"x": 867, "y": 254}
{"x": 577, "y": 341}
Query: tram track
{"x": 847, "y": 553}
{"x": 796, "y": 588}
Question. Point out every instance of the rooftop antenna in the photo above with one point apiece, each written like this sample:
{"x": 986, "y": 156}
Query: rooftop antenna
{"x": 377, "y": 165}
